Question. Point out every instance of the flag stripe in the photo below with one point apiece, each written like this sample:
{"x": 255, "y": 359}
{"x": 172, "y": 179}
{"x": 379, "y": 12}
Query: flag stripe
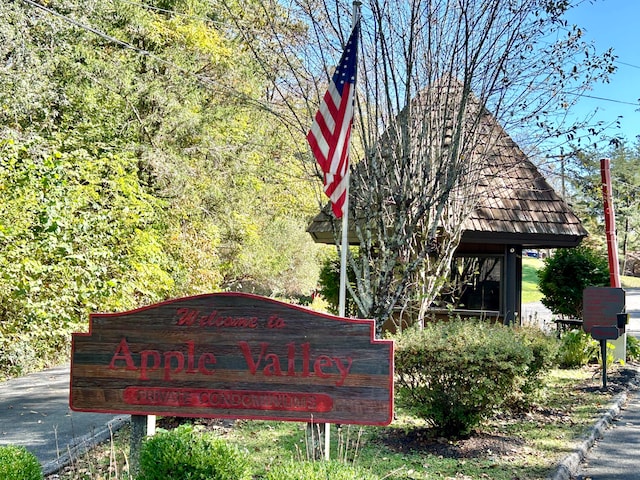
{"x": 330, "y": 132}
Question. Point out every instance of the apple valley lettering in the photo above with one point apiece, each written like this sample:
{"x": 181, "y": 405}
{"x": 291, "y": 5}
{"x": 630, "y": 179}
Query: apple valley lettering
{"x": 260, "y": 360}
{"x": 228, "y": 399}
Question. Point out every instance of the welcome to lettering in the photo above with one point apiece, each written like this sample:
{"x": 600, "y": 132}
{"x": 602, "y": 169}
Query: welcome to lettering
{"x": 298, "y": 361}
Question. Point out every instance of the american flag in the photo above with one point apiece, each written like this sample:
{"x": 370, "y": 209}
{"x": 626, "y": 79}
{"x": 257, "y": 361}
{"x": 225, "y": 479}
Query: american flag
{"x": 331, "y": 129}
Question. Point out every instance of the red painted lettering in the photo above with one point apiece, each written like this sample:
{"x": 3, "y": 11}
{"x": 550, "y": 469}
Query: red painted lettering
{"x": 248, "y": 356}
{"x": 272, "y": 368}
{"x": 186, "y": 316}
{"x": 168, "y": 371}
{"x": 144, "y": 362}
{"x": 344, "y": 369}
{"x": 202, "y": 363}
{"x": 322, "y": 361}
{"x": 270, "y": 364}
{"x": 192, "y": 317}
{"x": 171, "y": 362}
{"x": 122, "y": 354}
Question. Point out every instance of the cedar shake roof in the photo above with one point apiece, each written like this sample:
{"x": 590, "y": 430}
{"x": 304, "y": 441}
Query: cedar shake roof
{"x": 516, "y": 205}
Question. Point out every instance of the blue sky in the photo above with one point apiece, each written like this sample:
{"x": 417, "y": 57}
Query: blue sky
{"x": 613, "y": 23}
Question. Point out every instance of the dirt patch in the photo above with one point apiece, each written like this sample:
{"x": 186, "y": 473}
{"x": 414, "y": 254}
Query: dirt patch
{"x": 618, "y": 379}
{"x": 479, "y": 445}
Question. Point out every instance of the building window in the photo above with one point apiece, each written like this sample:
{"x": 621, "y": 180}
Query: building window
{"x": 474, "y": 284}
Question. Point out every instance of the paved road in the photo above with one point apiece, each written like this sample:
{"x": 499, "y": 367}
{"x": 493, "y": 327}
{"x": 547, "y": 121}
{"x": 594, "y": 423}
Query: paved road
{"x": 617, "y": 455}
{"x": 34, "y": 412}
{"x": 632, "y": 300}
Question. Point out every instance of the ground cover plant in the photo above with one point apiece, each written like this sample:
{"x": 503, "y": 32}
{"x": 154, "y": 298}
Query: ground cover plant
{"x": 16, "y": 463}
{"x": 184, "y": 453}
{"x": 524, "y": 445}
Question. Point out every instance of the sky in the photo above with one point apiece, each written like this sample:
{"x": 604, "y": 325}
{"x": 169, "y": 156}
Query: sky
{"x": 613, "y": 23}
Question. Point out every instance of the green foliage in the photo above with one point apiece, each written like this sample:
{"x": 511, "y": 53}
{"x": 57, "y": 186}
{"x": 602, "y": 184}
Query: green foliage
{"x": 78, "y": 233}
{"x": 184, "y": 454}
{"x": 128, "y": 177}
{"x": 585, "y": 178}
{"x": 633, "y": 348}
{"x": 318, "y": 471}
{"x": 329, "y": 283}
{"x": 16, "y": 463}
{"x": 566, "y": 274}
{"x": 454, "y": 374}
{"x": 544, "y": 349}
{"x": 577, "y": 349}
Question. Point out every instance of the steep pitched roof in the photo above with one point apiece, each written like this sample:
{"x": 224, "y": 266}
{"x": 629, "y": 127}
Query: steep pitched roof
{"x": 516, "y": 205}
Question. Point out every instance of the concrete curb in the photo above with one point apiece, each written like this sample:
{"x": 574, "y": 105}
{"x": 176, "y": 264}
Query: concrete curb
{"x": 568, "y": 467}
{"x": 84, "y": 444}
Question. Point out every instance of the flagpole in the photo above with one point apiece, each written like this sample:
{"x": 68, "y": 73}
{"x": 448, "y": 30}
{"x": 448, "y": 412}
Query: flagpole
{"x": 344, "y": 247}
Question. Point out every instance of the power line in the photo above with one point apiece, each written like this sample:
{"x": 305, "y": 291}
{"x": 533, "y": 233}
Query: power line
{"x": 612, "y": 100}
{"x": 119, "y": 42}
{"x": 627, "y": 64}
{"x": 129, "y": 46}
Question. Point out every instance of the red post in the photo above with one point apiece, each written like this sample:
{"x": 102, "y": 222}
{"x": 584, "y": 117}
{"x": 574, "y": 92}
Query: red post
{"x": 610, "y": 222}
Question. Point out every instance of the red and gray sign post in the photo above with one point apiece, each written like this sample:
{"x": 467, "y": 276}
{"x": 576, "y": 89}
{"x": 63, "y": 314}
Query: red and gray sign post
{"x": 604, "y": 318}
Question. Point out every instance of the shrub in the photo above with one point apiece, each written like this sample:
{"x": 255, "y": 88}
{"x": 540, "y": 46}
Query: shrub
{"x": 184, "y": 454}
{"x": 577, "y": 349}
{"x": 16, "y": 463}
{"x": 633, "y": 348}
{"x": 566, "y": 274}
{"x": 544, "y": 349}
{"x": 318, "y": 471}
{"x": 454, "y": 374}
{"x": 329, "y": 282}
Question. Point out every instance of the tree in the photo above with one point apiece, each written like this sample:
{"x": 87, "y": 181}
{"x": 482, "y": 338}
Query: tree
{"x": 136, "y": 164}
{"x": 566, "y": 274}
{"x": 586, "y": 192}
{"x": 430, "y": 74}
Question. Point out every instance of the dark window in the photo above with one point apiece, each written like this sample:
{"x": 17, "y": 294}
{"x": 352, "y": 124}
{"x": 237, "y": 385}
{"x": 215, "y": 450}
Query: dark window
{"x": 474, "y": 284}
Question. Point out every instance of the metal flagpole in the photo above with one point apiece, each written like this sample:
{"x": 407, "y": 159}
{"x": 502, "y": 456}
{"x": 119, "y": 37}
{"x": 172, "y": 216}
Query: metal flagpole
{"x": 344, "y": 246}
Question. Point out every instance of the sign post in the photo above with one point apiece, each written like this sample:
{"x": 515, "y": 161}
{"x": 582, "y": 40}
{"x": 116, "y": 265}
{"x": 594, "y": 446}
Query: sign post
{"x": 233, "y": 355}
{"x": 604, "y": 318}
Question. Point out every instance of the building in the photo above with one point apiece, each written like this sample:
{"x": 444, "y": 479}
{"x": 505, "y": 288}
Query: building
{"x": 516, "y": 210}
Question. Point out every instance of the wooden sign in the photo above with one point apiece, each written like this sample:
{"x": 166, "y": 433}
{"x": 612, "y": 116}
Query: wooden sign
{"x": 232, "y": 355}
{"x": 601, "y": 306}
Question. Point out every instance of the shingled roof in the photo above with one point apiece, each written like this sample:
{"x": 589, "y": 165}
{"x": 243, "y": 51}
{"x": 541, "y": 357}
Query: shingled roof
{"x": 516, "y": 205}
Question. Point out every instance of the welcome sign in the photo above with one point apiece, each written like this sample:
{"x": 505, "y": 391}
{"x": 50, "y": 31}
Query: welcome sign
{"x": 232, "y": 355}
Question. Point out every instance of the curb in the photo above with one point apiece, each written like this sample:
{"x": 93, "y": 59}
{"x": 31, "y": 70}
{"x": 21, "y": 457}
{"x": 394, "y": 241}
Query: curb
{"x": 567, "y": 469}
{"x": 84, "y": 444}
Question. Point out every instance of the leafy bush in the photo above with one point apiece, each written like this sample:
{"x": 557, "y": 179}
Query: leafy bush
{"x": 544, "y": 349}
{"x": 184, "y": 454}
{"x": 318, "y": 471}
{"x": 633, "y": 349}
{"x": 329, "y": 282}
{"x": 16, "y": 463}
{"x": 577, "y": 349}
{"x": 566, "y": 274}
{"x": 454, "y": 374}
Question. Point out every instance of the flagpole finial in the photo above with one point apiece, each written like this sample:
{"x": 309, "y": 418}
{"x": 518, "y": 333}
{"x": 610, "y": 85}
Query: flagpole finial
{"x": 356, "y": 11}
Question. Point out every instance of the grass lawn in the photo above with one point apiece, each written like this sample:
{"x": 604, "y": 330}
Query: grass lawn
{"x": 530, "y": 267}
{"x": 629, "y": 282}
{"x": 527, "y": 446}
